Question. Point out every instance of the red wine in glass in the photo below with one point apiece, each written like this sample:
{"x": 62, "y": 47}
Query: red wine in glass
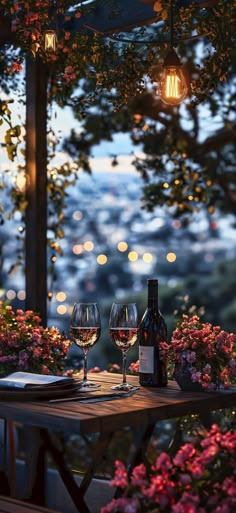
{"x": 85, "y": 330}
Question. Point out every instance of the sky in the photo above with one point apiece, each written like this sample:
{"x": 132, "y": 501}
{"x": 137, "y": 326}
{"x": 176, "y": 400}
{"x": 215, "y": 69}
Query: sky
{"x": 102, "y": 153}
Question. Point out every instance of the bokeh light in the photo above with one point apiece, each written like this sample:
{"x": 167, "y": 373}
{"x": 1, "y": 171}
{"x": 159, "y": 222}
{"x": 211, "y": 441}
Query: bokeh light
{"x": 147, "y": 258}
{"x": 77, "y": 215}
{"x": 88, "y": 245}
{"x": 77, "y": 249}
{"x": 61, "y": 309}
{"x": 61, "y": 296}
{"x": 11, "y": 294}
{"x": 133, "y": 256}
{"x": 171, "y": 257}
{"x": 122, "y": 246}
{"x": 21, "y": 295}
{"x": 101, "y": 259}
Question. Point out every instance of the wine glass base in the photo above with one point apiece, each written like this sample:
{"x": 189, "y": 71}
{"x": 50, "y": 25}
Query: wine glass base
{"x": 88, "y": 384}
{"x": 124, "y": 386}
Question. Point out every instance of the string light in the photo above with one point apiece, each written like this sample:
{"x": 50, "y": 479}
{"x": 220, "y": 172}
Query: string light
{"x": 50, "y": 41}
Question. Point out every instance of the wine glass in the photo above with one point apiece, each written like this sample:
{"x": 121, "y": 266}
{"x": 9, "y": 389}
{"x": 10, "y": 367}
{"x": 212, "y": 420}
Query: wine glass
{"x": 123, "y": 328}
{"x": 85, "y": 330}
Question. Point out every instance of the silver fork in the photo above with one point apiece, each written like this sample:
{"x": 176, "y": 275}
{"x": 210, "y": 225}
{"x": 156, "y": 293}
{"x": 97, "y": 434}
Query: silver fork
{"x": 109, "y": 397}
{"x": 97, "y": 398}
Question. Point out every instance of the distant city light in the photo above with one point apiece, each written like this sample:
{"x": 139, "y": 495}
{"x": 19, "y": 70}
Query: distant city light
{"x": 165, "y": 185}
{"x": 147, "y": 258}
{"x": 21, "y": 295}
{"x": 77, "y": 215}
{"x": 21, "y": 229}
{"x": 137, "y": 118}
{"x": 88, "y": 245}
{"x": 53, "y": 259}
{"x": 213, "y": 225}
{"x": 61, "y": 296}
{"x": 11, "y": 294}
{"x": 122, "y": 246}
{"x": 101, "y": 259}
{"x": 61, "y": 309}
{"x": 77, "y": 249}
{"x": 211, "y": 209}
{"x": 171, "y": 257}
{"x": 133, "y": 256}
{"x": 176, "y": 224}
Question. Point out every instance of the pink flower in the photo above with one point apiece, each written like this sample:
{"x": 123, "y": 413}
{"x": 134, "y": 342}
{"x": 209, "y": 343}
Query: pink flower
{"x": 45, "y": 370}
{"x": 121, "y": 476}
{"x": 121, "y": 505}
{"x": 206, "y": 348}
{"x": 184, "y": 453}
{"x": 188, "y": 503}
{"x": 26, "y": 345}
{"x": 139, "y": 475}
{"x": 163, "y": 462}
{"x": 201, "y": 478}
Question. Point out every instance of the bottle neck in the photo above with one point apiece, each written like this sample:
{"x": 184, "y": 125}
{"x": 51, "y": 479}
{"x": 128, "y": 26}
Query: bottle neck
{"x": 153, "y": 294}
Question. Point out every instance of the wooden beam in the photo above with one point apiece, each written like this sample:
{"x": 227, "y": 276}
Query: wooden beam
{"x": 36, "y": 188}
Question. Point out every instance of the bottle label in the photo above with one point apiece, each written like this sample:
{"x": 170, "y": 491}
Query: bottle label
{"x": 146, "y": 359}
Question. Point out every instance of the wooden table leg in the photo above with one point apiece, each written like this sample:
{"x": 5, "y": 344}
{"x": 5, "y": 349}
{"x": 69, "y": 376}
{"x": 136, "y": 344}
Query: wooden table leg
{"x": 35, "y": 467}
{"x": 4, "y": 480}
{"x": 98, "y": 453}
{"x": 141, "y": 441}
{"x": 67, "y": 477}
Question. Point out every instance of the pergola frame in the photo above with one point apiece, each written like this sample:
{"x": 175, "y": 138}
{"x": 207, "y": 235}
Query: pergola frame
{"x": 36, "y": 188}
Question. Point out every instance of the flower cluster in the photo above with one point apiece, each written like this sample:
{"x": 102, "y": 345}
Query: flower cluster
{"x": 200, "y": 478}
{"x": 27, "y": 346}
{"x": 207, "y": 350}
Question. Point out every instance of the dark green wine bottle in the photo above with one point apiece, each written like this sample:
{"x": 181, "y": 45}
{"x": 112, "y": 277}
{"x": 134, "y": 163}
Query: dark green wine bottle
{"x": 153, "y": 330}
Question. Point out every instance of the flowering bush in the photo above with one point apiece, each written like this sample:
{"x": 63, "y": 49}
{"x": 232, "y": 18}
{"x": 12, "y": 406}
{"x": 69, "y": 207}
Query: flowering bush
{"x": 27, "y": 346}
{"x": 208, "y": 351}
{"x": 200, "y": 478}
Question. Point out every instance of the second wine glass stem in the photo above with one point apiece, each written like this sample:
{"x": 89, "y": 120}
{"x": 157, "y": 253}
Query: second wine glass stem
{"x": 124, "y": 369}
{"x": 85, "y": 365}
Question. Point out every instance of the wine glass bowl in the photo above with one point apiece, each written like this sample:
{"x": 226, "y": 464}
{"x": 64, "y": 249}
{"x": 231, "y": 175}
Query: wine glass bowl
{"x": 123, "y": 329}
{"x": 85, "y": 330}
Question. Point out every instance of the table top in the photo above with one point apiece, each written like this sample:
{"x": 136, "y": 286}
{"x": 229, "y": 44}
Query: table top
{"x": 146, "y": 406}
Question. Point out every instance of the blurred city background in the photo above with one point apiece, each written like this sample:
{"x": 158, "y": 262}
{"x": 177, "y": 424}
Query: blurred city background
{"x": 112, "y": 246}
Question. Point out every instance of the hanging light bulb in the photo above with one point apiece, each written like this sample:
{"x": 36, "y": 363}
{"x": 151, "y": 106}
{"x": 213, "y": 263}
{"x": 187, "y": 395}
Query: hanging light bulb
{"x": 50, "y": 41}
{"x": 173, "y": 88}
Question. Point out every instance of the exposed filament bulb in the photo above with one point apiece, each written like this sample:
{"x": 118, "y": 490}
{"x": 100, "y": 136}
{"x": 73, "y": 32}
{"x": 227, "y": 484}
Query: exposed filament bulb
{"x": 173, "y": 88}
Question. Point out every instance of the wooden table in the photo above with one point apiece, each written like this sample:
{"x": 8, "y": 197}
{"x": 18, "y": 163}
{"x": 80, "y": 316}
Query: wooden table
{"x": 140, "y": 411}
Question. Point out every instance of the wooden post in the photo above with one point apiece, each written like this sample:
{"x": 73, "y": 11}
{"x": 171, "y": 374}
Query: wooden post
{"x": 36, "y": 188}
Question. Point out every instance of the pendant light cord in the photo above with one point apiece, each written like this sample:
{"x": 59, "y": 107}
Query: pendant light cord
{"x": 171, "y": 23}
